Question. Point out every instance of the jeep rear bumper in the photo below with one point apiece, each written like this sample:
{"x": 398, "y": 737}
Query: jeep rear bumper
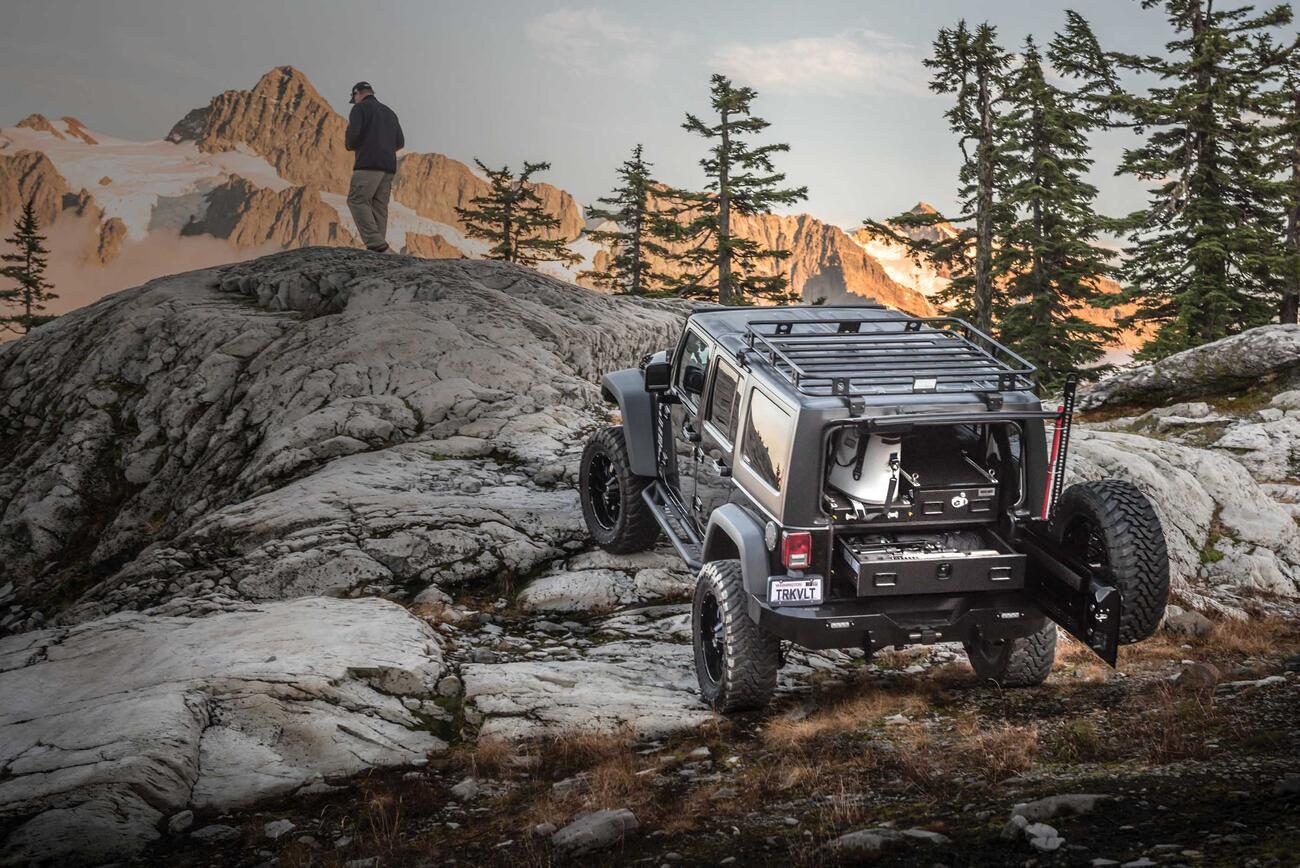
{"x": 876, "y": 623}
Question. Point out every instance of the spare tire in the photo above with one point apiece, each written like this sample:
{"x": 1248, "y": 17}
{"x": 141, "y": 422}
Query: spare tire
{"x": 1109, "y": 525}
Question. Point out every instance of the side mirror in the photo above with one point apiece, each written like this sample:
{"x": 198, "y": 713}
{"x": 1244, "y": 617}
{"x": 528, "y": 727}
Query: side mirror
{"x": 658, "y": 375}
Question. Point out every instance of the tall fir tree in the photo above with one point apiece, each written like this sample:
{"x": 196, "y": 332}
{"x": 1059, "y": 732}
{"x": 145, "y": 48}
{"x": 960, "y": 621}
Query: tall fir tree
{"x": 511, "y": 216}
{"x": 26, "y": 269}
{"x": 718, "y": 263}
{"x": 1199, "y": 256}
{"x": 635, "y": 242}
{"x": 971, "y": 67}
{"x": 1284, "y": 111}
{"x": 1053, "y": 267}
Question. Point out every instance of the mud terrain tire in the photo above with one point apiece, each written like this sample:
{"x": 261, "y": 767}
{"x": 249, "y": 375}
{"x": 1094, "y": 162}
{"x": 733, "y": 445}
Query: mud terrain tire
{"x": 736, "y": 661}
{"x": 1110, "y": 525}
{"x": 618, "y": 519}
{"x": 1024, "y": 662}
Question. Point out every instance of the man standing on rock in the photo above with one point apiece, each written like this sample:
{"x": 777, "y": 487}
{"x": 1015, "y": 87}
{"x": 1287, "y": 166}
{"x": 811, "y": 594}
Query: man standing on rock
{"x": 375, "y": 136}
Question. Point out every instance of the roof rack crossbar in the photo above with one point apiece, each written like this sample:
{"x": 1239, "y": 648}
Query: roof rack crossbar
{"x": 856, "y": 356}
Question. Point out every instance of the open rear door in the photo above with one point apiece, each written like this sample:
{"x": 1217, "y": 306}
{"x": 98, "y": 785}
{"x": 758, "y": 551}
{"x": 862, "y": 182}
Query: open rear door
{"x": 1068, "y": 594}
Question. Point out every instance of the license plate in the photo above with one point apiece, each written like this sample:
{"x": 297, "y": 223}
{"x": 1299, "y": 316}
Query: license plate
{"x": 794, "y": 592}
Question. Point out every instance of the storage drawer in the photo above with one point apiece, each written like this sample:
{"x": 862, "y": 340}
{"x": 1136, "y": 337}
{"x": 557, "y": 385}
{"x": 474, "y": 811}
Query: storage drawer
{"x": 886, "y": 568}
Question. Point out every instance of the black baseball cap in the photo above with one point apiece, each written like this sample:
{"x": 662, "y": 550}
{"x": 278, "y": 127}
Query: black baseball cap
{"x": 361, "y": 85}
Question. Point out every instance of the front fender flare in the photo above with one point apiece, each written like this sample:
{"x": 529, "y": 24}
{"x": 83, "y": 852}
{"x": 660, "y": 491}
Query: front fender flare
{"x": 627, "y": 389}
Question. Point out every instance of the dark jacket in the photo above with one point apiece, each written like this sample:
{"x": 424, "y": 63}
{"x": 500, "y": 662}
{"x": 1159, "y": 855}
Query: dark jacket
{"x": 375, "y": 135}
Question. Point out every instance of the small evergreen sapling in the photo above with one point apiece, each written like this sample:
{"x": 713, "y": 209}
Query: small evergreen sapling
{"x": 26, "y": 268}
{"x": 511, "y": 217}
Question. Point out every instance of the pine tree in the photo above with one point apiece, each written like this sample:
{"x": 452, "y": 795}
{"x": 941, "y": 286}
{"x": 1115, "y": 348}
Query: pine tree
{"x": 1053, "y": 268}
{"x": 972, "y": 67}
{"x": 1198, "y": 257}
{"x": 512, "y": 217}
{"x": 27, "y": 270}
{"x": 741, "y": 180}
{"x": 635, "y": 242}
{"x": 1284, "y": 110}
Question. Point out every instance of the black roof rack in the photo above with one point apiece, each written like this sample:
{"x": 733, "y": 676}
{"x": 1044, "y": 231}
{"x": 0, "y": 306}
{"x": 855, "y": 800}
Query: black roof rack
{"x": 859, "y": 356}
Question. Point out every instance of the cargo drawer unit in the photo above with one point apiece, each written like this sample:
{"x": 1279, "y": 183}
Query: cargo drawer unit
{"x": 948, "y": 563}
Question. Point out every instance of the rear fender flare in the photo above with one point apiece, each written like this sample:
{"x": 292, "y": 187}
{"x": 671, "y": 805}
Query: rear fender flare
{"x": 627, "y": 389}
{"x": 734, "y": 533}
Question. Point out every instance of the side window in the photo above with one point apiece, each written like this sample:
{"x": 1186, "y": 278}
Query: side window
{"x": 767, "y": 439}
{"x": 723, "y": 403}
{"x": 694, "y": 365}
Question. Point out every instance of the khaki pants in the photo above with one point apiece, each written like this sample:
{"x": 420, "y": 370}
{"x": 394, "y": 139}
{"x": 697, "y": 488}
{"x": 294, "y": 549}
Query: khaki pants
{"x": 368, "y": 202}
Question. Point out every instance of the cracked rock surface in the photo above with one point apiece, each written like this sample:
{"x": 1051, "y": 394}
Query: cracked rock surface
{"x": 110, "y": 726}
{"x": 317, "y": 421}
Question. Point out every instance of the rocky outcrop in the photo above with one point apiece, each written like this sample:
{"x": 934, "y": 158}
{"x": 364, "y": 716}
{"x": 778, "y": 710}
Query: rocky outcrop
{"x": 31, "y": 176}
{"x": 315, "y": 421}
{"x": 824, "y": 264}
{"x": 108, "y": 241}
{"x": 1264, "y": 354}
{"x": 250, "y": 217}
{"x": 72, "y": 128}
{"x": 110, "y": 727}
{"x": 430, "y": 247}
{"x": 434, "y": 186}
{"x": 284, "y": 119}
{"x": 1225, "y": 533}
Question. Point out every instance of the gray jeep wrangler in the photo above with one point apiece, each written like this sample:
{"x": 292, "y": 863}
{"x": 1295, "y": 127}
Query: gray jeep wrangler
{"x": 852, "y": 477}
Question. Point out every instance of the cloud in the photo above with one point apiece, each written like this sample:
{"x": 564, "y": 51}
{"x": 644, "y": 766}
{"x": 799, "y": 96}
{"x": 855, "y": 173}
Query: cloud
{"x": 590, "y": 40}
{"x": 851, "y": 62}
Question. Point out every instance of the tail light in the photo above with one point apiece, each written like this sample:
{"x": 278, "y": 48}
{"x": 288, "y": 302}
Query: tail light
{"x": 796, "y": 550}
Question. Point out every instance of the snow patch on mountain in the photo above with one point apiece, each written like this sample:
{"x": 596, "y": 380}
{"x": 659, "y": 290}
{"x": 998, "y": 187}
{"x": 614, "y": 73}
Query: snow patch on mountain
{"x": 149, "y": 186}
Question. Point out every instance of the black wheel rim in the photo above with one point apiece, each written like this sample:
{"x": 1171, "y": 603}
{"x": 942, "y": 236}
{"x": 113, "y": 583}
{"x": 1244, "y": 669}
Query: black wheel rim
{"x": 1085, "y": 541}
{"x": 603, "y": 493}
{"x": 711, "y": 637}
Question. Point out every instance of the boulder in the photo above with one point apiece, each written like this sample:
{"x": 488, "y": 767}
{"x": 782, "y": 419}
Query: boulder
{"x": 1188, "y": 623}
{"x": 109, "y": 726}
{"x": 598, "y": 830}
{"x": 1064, "y": 805}
{"x": 1234, "y": 362}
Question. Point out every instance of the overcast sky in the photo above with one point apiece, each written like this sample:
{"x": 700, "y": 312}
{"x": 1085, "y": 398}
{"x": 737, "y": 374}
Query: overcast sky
{"x": 577, "y": 85}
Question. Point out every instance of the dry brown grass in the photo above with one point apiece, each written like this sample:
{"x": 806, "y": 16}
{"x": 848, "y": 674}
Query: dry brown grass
{"x": 1254, "y": 637}
{"x": 997, "y": 750}
{"x": 1079, "y": 739}
{"x": 1171, "y": 725}
{"x": 568, "y": 753}
{"x": 485, "y": 758}
{"x": 859, "y": 709}
{"x": 382, "y": 822}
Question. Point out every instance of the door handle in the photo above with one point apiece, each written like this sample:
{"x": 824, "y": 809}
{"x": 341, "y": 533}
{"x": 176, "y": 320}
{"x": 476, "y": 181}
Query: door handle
{"x": 690, "y": 434}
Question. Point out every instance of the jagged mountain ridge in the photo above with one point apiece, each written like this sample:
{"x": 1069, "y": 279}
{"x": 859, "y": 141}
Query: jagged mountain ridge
{"x": 264, "y": 168}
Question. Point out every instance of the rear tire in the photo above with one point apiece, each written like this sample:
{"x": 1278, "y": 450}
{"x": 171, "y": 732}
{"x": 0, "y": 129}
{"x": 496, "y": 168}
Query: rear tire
{"x": 1111, "y": 526}
{"x": 1024, "y": 662}
{"x": 617, "y": 517}
{"x": 736, "y": 660}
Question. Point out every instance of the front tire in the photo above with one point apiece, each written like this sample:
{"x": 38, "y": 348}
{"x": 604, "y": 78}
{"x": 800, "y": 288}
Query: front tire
{"x": 1024, "y": 662}
{"x": 617, "y": 517}
{"x": 1111, "y": 526}
{"x": 736, "y": 660}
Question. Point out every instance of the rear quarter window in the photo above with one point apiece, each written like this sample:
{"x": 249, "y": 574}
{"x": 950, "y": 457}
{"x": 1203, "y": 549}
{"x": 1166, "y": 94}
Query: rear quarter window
{"x": 766, "y": 446}
{"x": 725, "y": 403}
